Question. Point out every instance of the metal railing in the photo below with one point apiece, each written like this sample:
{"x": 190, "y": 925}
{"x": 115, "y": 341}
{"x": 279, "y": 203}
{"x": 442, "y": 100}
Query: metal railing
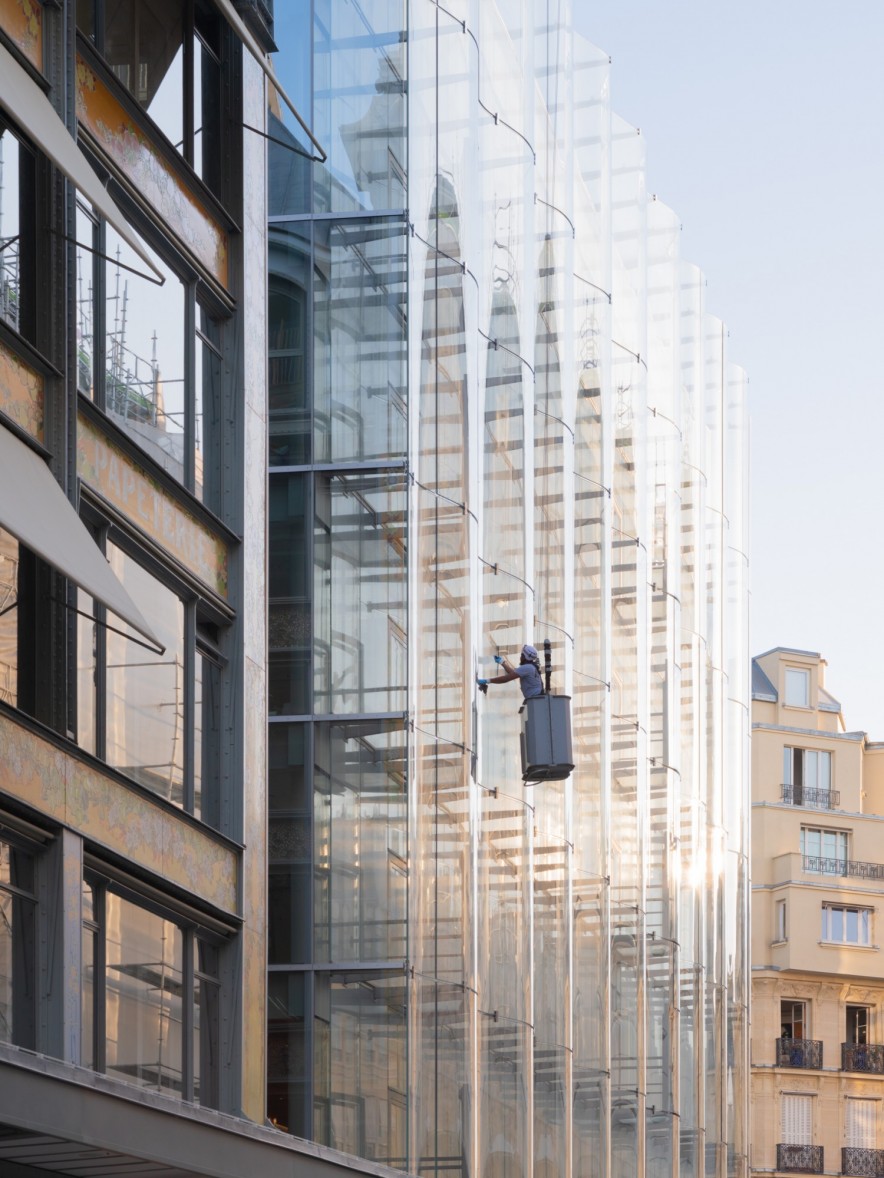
{"x": 862, "y": 1057}
{"x": 799, "y": 1053}
{"x": 803, "y": 1159}
{"x": 807, "y": 795}
{"x": 865, "y": 1162}
{"x": 821, "y": 866}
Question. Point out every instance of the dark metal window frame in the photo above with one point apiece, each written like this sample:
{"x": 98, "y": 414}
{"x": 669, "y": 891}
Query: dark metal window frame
{"x": 192, "y": 932}
{"x": 29, "y": 189}
{"x": 32, "y": 899}
{"x": 202, "y": 638}
{"x": 196, "y": 299}
{"x": 191, "y": 31}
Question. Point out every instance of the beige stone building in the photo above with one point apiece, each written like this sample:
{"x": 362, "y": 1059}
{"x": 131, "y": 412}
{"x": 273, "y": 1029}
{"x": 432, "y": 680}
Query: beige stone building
{"x": 817, "y": 927}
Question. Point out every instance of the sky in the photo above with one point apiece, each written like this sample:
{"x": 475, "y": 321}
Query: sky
{"x": 764, "y": 130}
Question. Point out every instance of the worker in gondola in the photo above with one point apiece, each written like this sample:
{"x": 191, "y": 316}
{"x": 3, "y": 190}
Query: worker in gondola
{"x": 527, "y": 672}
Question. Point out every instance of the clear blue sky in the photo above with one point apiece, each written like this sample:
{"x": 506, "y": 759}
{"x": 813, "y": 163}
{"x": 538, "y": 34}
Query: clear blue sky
{"x": 764, "y": 128}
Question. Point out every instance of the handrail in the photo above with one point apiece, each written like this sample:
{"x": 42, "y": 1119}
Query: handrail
{"x": 820, "y": 865}
{"x": 808, "y": 795}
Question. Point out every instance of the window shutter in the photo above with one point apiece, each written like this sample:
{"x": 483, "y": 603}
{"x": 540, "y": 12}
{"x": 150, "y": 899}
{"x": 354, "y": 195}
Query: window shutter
{"x": 859, "y": 1123}
{"x": 797, "y": 1120}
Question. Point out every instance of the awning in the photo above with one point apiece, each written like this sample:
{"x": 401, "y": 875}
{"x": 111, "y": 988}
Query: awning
{"x": 31, "y": 109}
{"x": 242, "y": 31}
{"x": 34, "y": 509}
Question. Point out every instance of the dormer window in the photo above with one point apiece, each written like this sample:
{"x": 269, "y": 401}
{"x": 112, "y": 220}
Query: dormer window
{"x": 797, "y": 688}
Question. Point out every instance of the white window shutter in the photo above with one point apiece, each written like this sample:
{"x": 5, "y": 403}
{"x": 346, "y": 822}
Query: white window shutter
{"x": 797, "y": 1120}
{"x": 859, "y": 1123}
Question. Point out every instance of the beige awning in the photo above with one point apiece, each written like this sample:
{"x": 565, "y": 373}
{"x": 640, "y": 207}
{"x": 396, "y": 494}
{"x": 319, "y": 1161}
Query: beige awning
{"x": 242, "y": 31}
{"x": 34, "y": 509}
{"x": 31, "y": 109}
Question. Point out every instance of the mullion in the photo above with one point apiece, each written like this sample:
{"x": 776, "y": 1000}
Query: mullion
{"x": 188, "y": 96}
{"x": 187, "y": 1025}
{"x": 99, "y": 979}
{"x": 190, "y": 345}
{"x": 190, "y": 657}
{"x": 99, "y": 315}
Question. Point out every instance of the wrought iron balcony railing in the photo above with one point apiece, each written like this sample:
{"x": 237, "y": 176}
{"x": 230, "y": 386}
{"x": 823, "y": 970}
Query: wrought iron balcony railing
{"x": 807, "y": 795}
{"x": 799, "y": 1053}
{"x": 821, "y": 866}
{"x": 862, "y": 1057}
{"x": 866, "y": 1162}
{"x": 802, "y": 1159}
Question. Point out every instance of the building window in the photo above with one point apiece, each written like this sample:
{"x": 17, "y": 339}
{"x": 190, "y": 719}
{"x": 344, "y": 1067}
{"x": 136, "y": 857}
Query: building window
{"x": 797, "y": 1119}
{"x": 797, "y": 688}
{"x": 807, "y": 767}
{"x": 807, "y": 776}
{"x": 151, "y": 997}
{"x": 18, "y": 946}
{"x": 860, "y": 1115}
{"x": 781, "y": 931}
{"x": 857, "y": 1028}
{"x": 846, "y": 926}
{"x": 824, "y": 851}
{"x": 793, "y": 1019}
{"x": 167, "y": 53}
{"x": 155, "y": 717}
{"x": 17, "y": 237}
{"x": 156, "y": 367}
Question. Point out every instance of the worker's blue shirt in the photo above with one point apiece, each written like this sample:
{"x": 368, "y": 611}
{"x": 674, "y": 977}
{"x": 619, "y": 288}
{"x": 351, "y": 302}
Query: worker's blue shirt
{"x": 529, "y": 680}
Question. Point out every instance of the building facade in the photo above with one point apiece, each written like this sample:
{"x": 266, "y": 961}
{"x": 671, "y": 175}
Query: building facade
{"x": 499, "y": 412}
{"x": 132, "y": 583}
{"x": 817, "y": 887}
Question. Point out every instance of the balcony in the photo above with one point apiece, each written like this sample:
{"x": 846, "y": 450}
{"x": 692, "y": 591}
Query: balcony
{"x": 862, "y": 1057}
{"x": 807, "y": 795}
{"x": 801, "y": 1159}
{"x": 820, "y": 866}
{"x": 799, "y": 1053}
{"x": 868, "y": 1162}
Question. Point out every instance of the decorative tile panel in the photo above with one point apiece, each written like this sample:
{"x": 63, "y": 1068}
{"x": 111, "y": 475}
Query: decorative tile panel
{"x": 21, "y": 393}
{"x": 126, "y": 144}
{"x": 22, "y": 22}
{"x": 99, "y": 808}
{"x": 127, "y": 487}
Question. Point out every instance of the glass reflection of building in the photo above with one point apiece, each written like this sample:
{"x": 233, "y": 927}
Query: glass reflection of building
{"x": 499, "y": 412}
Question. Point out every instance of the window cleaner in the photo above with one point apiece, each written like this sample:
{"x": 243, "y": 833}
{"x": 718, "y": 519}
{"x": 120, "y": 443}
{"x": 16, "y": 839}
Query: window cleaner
{"x": 546, "y": 718}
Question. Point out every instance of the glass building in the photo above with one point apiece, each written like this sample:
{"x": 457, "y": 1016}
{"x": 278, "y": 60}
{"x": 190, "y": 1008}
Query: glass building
{"x": 499, "y": 412}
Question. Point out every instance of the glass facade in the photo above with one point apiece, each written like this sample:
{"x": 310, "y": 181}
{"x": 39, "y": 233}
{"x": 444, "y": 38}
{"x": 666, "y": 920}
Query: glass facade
{"x": 499, "y": 413}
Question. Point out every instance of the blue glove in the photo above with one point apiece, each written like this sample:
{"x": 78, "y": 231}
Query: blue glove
{"x": 482, "y": 682}
{"x": 498, "y": 658}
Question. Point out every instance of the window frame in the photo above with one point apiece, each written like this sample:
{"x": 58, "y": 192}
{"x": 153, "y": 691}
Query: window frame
{"x": 789, "y": 677}
{"x": 29, "y": 169}
{"x": 781, "y": 922}
{"x": 828, "y": 908}
{"x": 203, "y": 320}
{"x": 192, "y": 932}
{"x": 841, "y": 860}
{"x": 800, "y": 1005}
{"x": 11, "y": 840}
{"x": 862, "y": 1024}
{"x": 204, "y": 629}
{"x": 193, "y": 11}
{"x": 791, "y": 762}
